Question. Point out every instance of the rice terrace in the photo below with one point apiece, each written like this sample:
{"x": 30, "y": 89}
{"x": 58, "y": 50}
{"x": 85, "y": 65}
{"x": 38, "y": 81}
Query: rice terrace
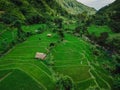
{"x": 59, "y": 45}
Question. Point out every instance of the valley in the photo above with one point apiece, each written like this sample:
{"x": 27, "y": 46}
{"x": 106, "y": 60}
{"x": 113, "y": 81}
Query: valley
{"x": 59, "y": 45}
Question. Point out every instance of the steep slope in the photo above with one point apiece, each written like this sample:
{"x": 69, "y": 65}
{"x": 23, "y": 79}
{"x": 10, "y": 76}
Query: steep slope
{"x": 30, "y": 11}
{"x": 112, "y": 11}
{"x": 74, "y": 7}
{"x": 73, "y": 57}
{"x": 35, "y": 11}
{"x": 115, "y": 6}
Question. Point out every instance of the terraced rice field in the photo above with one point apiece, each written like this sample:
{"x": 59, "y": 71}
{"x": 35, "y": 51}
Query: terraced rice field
{"x": 71, "y": 57}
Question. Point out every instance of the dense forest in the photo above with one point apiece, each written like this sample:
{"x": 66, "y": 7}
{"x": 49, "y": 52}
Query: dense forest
{"x": 59, "y": 45}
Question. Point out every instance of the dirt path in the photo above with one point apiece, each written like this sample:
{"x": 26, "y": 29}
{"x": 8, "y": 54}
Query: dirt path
{"x": 1, "y": 79}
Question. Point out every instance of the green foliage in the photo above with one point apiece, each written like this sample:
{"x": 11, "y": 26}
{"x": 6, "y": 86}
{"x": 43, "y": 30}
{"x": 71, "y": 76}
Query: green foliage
{"x": 97, "y": 30}
{"x": 17, "y": 2}
{"x": 40, "y": 30}
{"x": 17, "y": 24}
{"x": 20, "y": 33}
{"x": 113, "y": 43}
{"x": 72, "y": 55}
{"x": 117, "y": 83}
{"x": 58, "y": 21}
{"x": 30, "y": 11}
{"x": 81, "y": 29}
{"x": 34, "y": 18}
{"x": 115, "y": 26}
{"x": 82, "y": 17}
{"x": 73, "y": 7}
{"x": 8, "y": 18}
{"x": 61, "y": 34}
{"x": 102, "y": 38}
{"x": 77, "y": 29}
{"x": 2, "y": 27}
{"x": 112, "y": 13}
{"x": 64, "y": 83}
{"x": 25, "y": 61}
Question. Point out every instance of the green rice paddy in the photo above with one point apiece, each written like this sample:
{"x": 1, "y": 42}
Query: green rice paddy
{"x": 20, "y": 70}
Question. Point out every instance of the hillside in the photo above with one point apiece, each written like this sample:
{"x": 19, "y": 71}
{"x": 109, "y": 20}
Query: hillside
{"x": 74, "y": 7}
{"x": 105, "y": 30}
{"x": 111, "y": 15}
{"x": 36, "y": 11}
{"x": 30, "y": 11}
{"x": 115, "y": 6}
{"x": 73, "y": 57}
{"x": 78, "y": 54}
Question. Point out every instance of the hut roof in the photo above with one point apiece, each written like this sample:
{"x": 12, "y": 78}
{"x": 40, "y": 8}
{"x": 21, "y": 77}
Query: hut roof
{"x": 49, "y": 35}
{"x": 40, "y": 55}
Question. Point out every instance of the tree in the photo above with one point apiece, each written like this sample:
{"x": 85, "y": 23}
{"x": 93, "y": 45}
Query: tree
{"x": 77, "y": 29}
{"x": 64, "y": 83}
{"x": 17, "y": 2}
{"x": 82, "y": 29}
{"x": 61, "y": 34}
{"x": 58, "y": 22}
{"x": 8, "y": 18}
{"x": 20, "y": 32}
{"x": 116, "y": 83}
{"x": 34, "y": 17}
{"x": 115, "y": 26}
{"x": 114, "y": 44}
{"x": 82, "y": 18}
{"x": 102, "y": 38}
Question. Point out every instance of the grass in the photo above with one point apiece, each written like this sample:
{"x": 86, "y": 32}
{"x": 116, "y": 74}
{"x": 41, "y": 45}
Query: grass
{"x": 86, "y": 84}
{"x": 72, "y": 57}
{"x": 32, "y": 28}
{"x": 18, "y": 80}
{"x": 69, "y": 58}
{"x": 10, "y": 35}
{"x": 4, "y": 72}
{"x": 101, "y": 82}
{"x": 70, "y": 26}
{"x": 22, "y": 57}
{"x": 97, "y": 30}
{"x": 78, "y": 73}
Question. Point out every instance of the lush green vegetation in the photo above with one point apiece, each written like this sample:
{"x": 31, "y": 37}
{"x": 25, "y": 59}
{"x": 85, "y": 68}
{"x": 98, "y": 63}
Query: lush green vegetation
{"x": 18, "y": 80}
{"x": 74, "y": 7}
{"x": 97, "y": 30}
{"x": 82, "y": 51}
{"x": 65, "y": 57}
{"x": 109, "y": 38}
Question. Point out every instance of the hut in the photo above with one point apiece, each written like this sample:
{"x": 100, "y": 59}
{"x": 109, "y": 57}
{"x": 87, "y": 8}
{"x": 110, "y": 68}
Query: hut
{"x": 40, "y": 55}
{"x": 49, "y": 35}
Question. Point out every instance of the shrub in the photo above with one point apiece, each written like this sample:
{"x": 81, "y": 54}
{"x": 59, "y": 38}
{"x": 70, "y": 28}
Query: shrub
{"x": 40, "y": 30}
{"x": 61, "y": 34}
{"x": 113, "y": 44}
{"x": 34, "y": 18}
{"x": 8, "y": 18}
{"x": 17, "y": 2}
{"x": 58, "y": 22}
{"x": 115, "y": 26}
{"x": 117, "y": 83}
{"x": 64, "y": 83}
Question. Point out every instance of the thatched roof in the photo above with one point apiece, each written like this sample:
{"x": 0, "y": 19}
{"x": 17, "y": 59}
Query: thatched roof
{"x": 40, "y": 55}
{"x": 49, "y": 35}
